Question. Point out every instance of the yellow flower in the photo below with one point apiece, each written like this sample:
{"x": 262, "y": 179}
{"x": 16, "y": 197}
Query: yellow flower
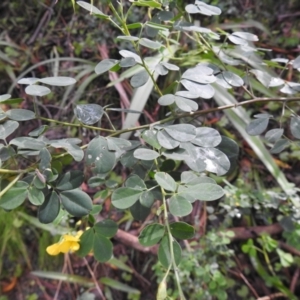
{"x": 67, "y": 243}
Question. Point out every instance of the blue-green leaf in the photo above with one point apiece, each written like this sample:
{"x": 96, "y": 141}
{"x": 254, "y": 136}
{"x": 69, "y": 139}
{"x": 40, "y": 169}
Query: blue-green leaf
{"x": 76, "y": 202}
{"x": 102, "y": 248}
{"x": 15, "y": 196}
{"x": 99, "y": 156}
{"x": 151, "y": 234}
{"x": 18, "y": 114}
{"x": 145, "y": 154}
{"x": 179, "y": 206}
{"x": 164, "y": 252}
{"x": 182, "y": 230}
{"x": 7, "y": 128}
{"x": 58, "y": 81}
{"x": 88, "y": 113}
{"x": 37, "y": 90}
{"x": 124, "y": 197}
{"x": 70, "y": 180}
{"x": 105, "y": 65}
{"x": 49, "y": 210}
{"x": 257, "y": 126}
{"x": 166, "y": 181}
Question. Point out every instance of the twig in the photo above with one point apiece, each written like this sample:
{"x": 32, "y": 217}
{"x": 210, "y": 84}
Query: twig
{"x": 70, "y": 270}
{"x": 43, "y": 22}
{"x": 289, "y": 248}
{"x": 94, "y": 279}
{"x": 10, "y": 185}
{"x": 281, "y": 17}
{"x": 241, "y": 275}
{"x": 228, "y": 106}
{"x": 273, "y": 296}
{"x": 132, "y": 241}
{"x": 42, "y": 288}
{"x": 294, "y": 280}
{"x": 244, "y": 233}
{"x": 60, "y": 281}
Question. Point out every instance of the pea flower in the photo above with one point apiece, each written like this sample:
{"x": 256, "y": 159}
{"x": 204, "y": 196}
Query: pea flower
{"x": 66, "y": 243}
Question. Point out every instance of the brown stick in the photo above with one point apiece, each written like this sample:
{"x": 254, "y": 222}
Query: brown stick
{"x": 244, "y": 233}
{"x": 295, "y": 280}
{"x": 273, "y": 296}
{"x": 289, "y": 248}
{"x": 241, "y": 275}
{"x": 240, "y": 233}
{"x": 132, "y": 241}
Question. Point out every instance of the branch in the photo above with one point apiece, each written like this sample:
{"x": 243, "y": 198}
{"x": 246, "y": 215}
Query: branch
{"x": 224, "y": 107}
{"x": 133, "y": 242}
{"x": 177, "y": 116}
{"x": 75, "y": 125}
{"x": 147, "y": 126}
{"x": 245, "y": 233}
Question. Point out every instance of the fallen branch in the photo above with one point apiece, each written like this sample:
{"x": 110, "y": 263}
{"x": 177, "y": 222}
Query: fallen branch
{"x": 245, "y": 233}
{"x": 132, "y": 241}
{"x": 240, "y": 233}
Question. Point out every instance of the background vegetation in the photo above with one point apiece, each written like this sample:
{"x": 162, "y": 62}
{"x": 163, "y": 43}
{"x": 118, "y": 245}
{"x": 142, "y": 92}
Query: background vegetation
{"x": 246, "y": 245}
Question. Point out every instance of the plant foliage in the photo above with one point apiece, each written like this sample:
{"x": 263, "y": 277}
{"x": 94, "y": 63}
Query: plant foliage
{"x": 171, "y": 162}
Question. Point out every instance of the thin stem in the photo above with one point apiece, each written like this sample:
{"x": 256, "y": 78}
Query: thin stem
{"x": 124, "y": 29}
{"x": 206, "y": 111}
{"x": 11, "y": 184}
{"x": 110, "y": 123}
{"x": 75, "y": 125}
{"x": 266, "y": 256}
{"x": 147, "y": 126}
{"x": 171, "y": 245}
{"x": 35, "y": 106}
{"x": 94, "y": 279}
{"x": 121, "y": 10}
{"x": 228, "y": 106}
{"x": 127, "y": 13}
{"x": 151, "y": 75}
{"x": 6, "y": 171}
{"x": 170, "y": 237}
{"x": 282, "y": 114}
